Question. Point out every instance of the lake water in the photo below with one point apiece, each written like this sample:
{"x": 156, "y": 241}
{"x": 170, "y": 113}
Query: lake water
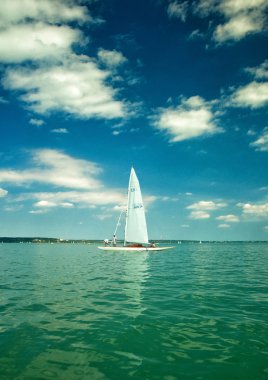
{"x": 70, "y": 311}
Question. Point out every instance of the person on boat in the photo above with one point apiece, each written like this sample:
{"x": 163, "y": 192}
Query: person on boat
{"x": 106, "y": 241}
{"x": 152, "y": 245}
{"x": 114, "y": 240}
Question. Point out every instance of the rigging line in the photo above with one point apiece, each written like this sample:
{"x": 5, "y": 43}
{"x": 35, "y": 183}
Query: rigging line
{"x": 118, "y": 222}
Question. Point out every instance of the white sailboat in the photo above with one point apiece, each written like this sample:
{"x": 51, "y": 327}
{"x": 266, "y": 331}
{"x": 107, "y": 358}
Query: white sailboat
{"x": 136, "y": 235}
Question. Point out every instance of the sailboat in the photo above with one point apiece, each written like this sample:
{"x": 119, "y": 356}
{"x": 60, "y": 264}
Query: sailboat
{"x": 136, "y": 235}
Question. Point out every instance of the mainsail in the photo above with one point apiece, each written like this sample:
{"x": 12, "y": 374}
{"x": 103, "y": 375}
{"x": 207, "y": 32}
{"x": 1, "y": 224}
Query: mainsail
{"x": 136, "y": 228}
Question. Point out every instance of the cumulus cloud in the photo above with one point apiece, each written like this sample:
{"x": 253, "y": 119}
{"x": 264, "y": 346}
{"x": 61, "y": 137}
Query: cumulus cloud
{"x": 36, "y": 42}
{"x": 261, "y": 144}
{"x": 60, "y": 130}
{"x": 49, "y": 204}
{"x": 255, "y": 211}
{"x": 206, "y": 205}
{"x": 199, "y": 215}
{"x": 201, "y": 209}
{"x": 241, "y": 18}
{"x": 259, "y": 72}
{"x": 238, "y": 26}
{"x": 55, "y": 78}
{"x": 253, "y": 95}
{"x": 36, "y": 122}
{"x": 177, "y": 10}
{"x": 193, "y": 117}
{"x": 72, "y": 182}
{"x": 30, "y": 30}
{"x": 74, "y": 198}
{"x": 228, "y": 218}
{"x": 55, "y": 168}
{"x": 224, "y": 225}
{"x": 17, "y": 11}
{"x": 103, "y": 216}
{"x": 76, "y": 87}
{"x": 111, "y": 58}
{"x": 3, "y": 193}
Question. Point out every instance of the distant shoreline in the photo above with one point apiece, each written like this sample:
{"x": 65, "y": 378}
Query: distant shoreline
{"x": 42, "y": 240}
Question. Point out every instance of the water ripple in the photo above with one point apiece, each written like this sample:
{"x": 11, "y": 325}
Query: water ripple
{"x": 73, "y": 312}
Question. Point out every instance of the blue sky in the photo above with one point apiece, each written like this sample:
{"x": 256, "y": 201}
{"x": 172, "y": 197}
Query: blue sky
{"x": 176, "y": 88}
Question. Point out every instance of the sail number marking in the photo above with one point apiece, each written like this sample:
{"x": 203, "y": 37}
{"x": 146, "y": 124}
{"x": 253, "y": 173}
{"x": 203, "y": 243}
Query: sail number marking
{"x": 137, "y": 205}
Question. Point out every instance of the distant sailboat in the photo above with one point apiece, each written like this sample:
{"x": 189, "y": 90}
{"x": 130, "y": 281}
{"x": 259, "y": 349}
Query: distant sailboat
{"x": 136, "y": 235}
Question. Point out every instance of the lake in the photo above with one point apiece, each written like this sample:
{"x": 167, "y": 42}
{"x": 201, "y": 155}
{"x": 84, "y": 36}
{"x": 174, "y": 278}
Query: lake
{"x": 71, "y": 311}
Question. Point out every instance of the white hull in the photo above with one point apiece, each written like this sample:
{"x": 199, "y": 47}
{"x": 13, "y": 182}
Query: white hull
{"x": 133, "y": 249}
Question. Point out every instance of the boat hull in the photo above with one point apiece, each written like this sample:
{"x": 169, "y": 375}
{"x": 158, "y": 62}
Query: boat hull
{"x": 134, "y": 249}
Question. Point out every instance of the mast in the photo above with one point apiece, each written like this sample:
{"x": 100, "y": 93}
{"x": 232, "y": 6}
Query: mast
{"x": 128, "y": 193}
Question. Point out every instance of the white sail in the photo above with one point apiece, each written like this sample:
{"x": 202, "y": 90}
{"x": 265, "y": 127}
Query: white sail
{"x": 136, "y": 228}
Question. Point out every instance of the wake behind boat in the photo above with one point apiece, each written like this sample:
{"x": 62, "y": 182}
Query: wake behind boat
{"x": 136, "y": 235}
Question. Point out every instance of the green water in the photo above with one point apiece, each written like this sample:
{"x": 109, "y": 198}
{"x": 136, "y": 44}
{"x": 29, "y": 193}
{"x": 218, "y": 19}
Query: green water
{"x": 74, "y": 312}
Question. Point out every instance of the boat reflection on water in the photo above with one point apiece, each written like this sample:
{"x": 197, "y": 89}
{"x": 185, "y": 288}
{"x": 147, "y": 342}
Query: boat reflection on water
{"x": 134, "y": 276}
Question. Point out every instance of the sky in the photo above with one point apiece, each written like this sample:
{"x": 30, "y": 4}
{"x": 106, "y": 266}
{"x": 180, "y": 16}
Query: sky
{"x": 178, "y": 89}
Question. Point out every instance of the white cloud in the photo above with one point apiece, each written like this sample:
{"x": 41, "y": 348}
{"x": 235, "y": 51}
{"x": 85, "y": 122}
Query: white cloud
{"x": 111, "y": 58}
{"x": 60, "y": 130}
{"x": 199, "y": 215}
{"x": 255, "y": 211}
{"x": 36, "y": 122}
{"x": 103, "y": 216}
{"x": 55, "y": 77}
{"x": 36, "y": 42}
{"x": 241, "y": 17}
{"x": 261, "y": 144}
{"x": 76, "y": 87}
{"x": 259, "y": 72}
{"x": 195, "y": 34}
{"x": 238, "y": 26}
{"x": 13, "y": 208}
{"x": 232, "y": 7}
{"x": 224, "y": 225}
{"x": 177, "y": 10}
{"x": 70, "y": 199}
{"x": 192, "y": 118}
{"x": 3, "y": 193}
{"x": 49, "y": 204}
{"x": 40, "y": 211}
{"x": 30, "y": 30}
{"x": 253, "y": 95}
{"x": 250, "y": 132}
{"x": 51, "y": 11}
{"x": 116, "y": 133}
{"x": 55, "y": 168}
{"x": 206, "y": 205}
{"x": 228, "y": 218}
{"x": 115, "y": 199}
{"x": 45, "y": 204}
{"x": 202, "y": 207}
